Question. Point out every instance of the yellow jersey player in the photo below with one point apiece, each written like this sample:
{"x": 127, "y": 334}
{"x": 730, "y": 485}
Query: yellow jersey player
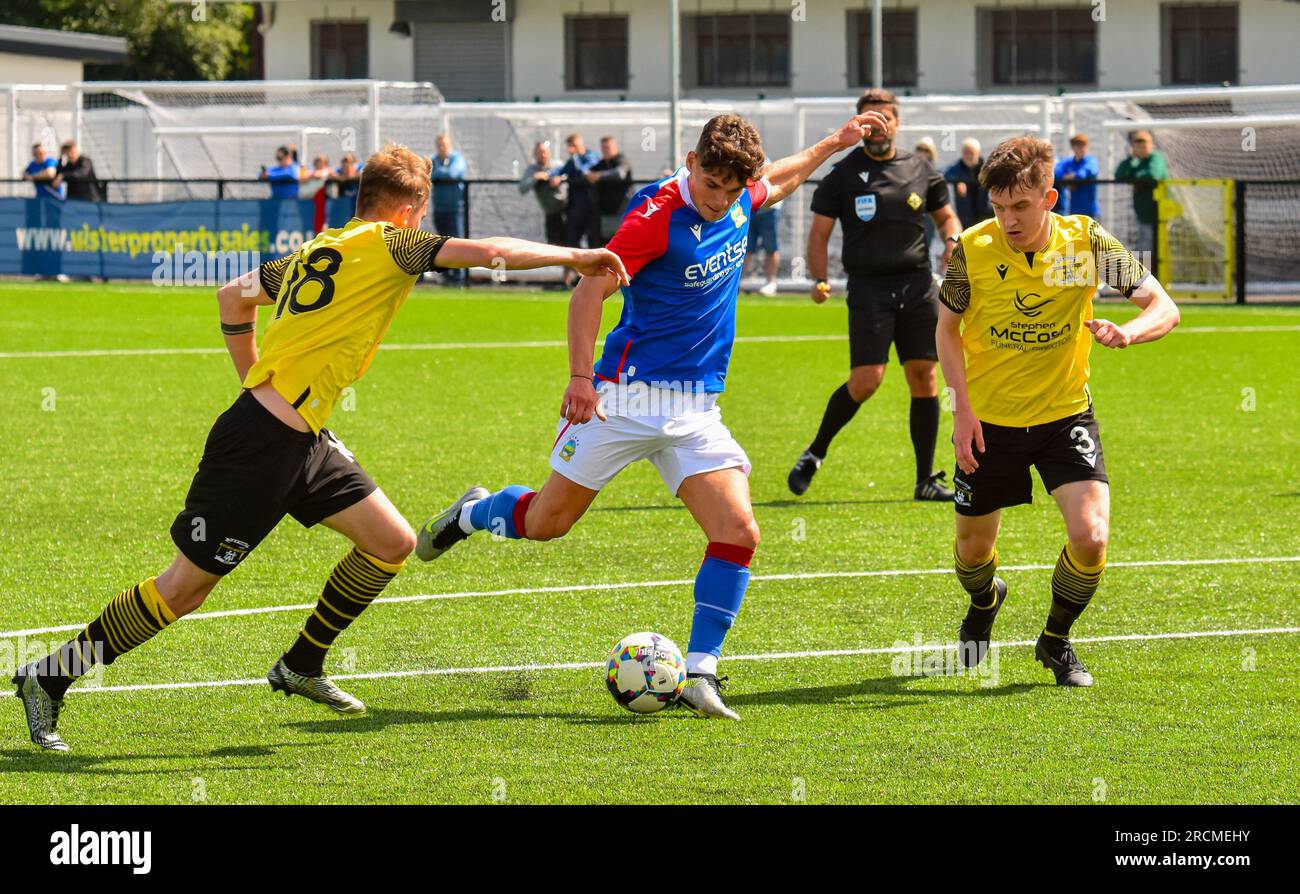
{"x": 1011, "y": 338}
{"x": 269, "y": 455}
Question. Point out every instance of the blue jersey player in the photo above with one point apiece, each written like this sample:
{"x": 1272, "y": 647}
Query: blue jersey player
{"x": 653, "y": 393}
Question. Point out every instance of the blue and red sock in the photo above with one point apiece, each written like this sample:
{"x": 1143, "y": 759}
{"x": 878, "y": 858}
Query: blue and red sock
{"x": 719, "y": 589}
{"x": 502, "y": 513}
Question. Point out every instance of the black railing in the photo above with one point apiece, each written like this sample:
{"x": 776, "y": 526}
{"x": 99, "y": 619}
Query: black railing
{"x": 1266, "y": 237}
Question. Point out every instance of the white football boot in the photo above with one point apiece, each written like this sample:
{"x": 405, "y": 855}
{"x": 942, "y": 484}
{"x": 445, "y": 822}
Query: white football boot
{"x": 703, "y": 695}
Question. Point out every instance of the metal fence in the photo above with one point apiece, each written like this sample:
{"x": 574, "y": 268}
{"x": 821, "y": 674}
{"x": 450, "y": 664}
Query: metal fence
{"x": 1266, "y": 236}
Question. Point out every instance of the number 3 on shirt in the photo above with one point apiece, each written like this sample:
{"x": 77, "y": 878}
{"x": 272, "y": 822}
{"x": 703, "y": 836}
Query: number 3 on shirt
{"x": 320, "y": 267}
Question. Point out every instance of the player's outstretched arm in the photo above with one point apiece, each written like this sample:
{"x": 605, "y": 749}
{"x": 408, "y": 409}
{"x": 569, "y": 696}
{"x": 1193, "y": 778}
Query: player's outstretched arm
{"x": 505, "y": 252}
{"x": 580, "y": 401}
{"x": 786, "y": 174}
{"x": 238, "y": 301}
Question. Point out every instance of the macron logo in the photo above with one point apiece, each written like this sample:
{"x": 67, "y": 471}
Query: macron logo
{"x": 89, "y": 848}
{"x": 650, "y": 208}
{"x": 696, "y": 230}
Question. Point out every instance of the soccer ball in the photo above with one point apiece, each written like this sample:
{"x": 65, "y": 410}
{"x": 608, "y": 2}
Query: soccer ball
{"x": 645, "y": 672}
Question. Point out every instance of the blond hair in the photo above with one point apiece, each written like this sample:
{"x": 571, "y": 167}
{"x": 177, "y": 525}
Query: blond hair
{"x": 393, "y": 177}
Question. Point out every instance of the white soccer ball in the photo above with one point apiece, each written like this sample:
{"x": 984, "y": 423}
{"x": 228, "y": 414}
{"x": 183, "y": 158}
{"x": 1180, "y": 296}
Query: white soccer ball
{"x": 645, "y": 672}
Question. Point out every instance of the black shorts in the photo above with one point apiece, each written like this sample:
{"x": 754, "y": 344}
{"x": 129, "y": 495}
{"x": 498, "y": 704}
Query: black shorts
{"x": 1063, "y": 451}
{"x": 901, "y": 309}
{"x": 254, "y": 471}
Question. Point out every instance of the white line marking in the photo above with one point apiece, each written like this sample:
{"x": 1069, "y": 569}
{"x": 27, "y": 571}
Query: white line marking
{"x": 646, "y": 584}
{"x": 499, "y": 345}
{"x": 760, "y": 656}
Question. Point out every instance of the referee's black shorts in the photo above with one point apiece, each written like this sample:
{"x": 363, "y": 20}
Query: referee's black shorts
{"x": 256, "y": 470}
{"x": 902, "y": 309}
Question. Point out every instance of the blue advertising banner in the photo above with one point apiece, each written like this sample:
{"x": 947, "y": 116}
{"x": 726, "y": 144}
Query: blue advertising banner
{"x": 160, "y": 240}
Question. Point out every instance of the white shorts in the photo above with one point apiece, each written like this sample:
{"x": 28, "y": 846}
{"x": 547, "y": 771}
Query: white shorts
{"x": 681, "y": 435}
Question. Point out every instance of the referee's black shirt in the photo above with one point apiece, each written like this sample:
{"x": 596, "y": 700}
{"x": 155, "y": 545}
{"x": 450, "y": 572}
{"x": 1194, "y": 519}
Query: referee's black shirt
{"x": 882, "y": 206}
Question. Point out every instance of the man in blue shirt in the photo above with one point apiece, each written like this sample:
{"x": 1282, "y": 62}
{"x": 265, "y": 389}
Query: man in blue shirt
{"x": 283, "y": 176}
{"x": 449, "y": 173}
{"x": 43, "y": 171}
{"x": 1077, "y": 197}
{"x": 653, "y": 393}
{"x": 580, "y": 217}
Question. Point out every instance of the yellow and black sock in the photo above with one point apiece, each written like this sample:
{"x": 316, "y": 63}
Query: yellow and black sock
{"x": 132, "y": 617}
{"x": 977, "y": 578}
{"x": 1073, "y": 584}
{"x": 352, "y": 585}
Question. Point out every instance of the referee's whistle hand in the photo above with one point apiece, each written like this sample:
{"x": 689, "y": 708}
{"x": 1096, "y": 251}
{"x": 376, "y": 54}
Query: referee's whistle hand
{"x": 859, "y": 127}
{"x": 819, "y": 293}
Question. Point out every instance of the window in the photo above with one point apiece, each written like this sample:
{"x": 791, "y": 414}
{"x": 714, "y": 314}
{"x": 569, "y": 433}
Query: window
{"x": 1039, "y": 47}
{"x": 899, "y": 64}
{"x": 1200, "y": 43}
{"x": 737, "y": 50}
{"x": 595, "y": 52}
{"x": 338, "y": 50}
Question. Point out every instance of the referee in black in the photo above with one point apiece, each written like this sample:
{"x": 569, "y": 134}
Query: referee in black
{"x": 881, "y": 195}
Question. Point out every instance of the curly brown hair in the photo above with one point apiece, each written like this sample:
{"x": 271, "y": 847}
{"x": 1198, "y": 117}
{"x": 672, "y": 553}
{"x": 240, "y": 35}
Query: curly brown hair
{"x": 393, "y": 177}
{"x": 1024, "y": 162}
{"x": 730, "y": 143}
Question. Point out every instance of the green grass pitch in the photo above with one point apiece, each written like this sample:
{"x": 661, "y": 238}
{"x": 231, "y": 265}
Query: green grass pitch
{"x": 1201, "y": 435}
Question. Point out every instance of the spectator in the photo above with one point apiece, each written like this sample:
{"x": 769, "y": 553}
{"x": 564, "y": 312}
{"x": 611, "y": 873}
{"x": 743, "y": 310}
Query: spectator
{"x": 580, "y": 216}
{"x": 926, "y": 149}
{"x": 77, "y": 173}
{"x": 449, "y": 173}
{"x": 612, "y": 179}
{"x": 347, "y": 176}
{"x": 551, "y": 192}
{"x": 1143, "y": 168}
{"x": 320, "y": 169}
{"x": 969, "y": 199}
{"x": 43, "y": 171}
{"x": 284, "y": 175}
{"x": 1076, "y": 180}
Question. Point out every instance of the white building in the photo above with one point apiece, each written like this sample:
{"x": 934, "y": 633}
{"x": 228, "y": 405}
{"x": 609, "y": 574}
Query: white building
{"x": 44, "y": 56}
{"x": 611, "y": 49}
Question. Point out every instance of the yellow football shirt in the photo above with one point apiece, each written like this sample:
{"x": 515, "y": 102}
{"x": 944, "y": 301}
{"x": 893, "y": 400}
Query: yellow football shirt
{"x": 335, "y": 298}
{"x": 1023, "y": 333}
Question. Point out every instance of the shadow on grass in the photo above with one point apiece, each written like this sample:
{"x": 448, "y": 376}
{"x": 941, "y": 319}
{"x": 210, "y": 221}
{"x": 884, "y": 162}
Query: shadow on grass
{"x": 378, "y": 720}
{"x": 35, "y": 760}
{"x": 758, "y": 504}
{"x": 892, "y": 692}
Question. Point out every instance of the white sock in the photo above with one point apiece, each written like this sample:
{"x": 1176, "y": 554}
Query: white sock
{"x": 701, "y": 663}
{"x": 463, "y": 520}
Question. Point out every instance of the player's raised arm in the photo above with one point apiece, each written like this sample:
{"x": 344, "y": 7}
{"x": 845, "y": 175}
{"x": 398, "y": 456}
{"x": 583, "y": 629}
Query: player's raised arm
{"x": 238, "y": 301}
{"x": 786, "y": 174}
{"x": 504, "y": 252}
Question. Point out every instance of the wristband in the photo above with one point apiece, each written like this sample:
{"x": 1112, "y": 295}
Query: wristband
{"x": 237, "y": 328}
{"x": 580, "y": 376}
